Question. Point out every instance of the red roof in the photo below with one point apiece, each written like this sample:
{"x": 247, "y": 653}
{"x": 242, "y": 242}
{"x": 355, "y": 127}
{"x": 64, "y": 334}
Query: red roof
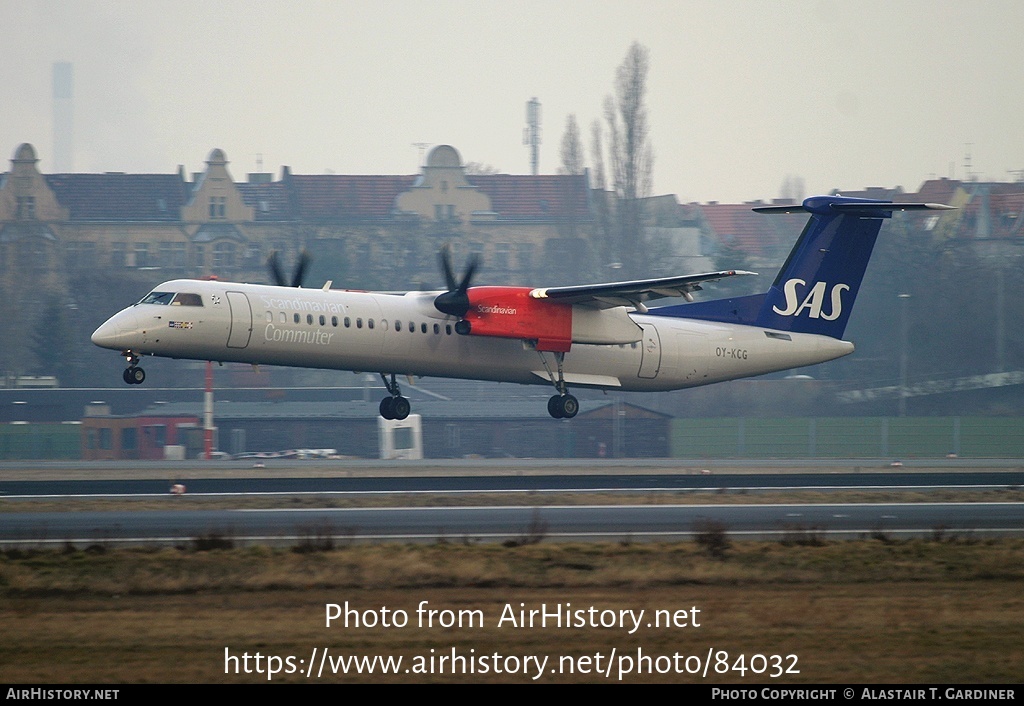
{"x": 738, "y": 225}
{"x": 346, "y": 197}
{"x": 542, "y": 197}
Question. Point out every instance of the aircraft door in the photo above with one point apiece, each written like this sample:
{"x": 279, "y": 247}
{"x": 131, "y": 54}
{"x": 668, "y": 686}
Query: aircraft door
{"x": 241, "y": 320}
{"x": 650, "y": 345}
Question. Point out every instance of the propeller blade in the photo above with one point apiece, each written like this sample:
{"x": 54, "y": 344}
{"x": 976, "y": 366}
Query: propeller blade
{"x": 455, "y": 302}
{"x": 300, "y": 268}
{"x": 445, "y": 256}
{"x": 276, "y": 274}
{"x": 471, "y": 266}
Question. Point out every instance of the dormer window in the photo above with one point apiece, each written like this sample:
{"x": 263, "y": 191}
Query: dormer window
{"x": 26, "y": 208}
{"x": 218, "y": 206}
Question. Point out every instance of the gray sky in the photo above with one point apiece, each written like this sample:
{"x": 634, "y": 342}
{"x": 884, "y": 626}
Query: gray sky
{"x": 740, "y": 94}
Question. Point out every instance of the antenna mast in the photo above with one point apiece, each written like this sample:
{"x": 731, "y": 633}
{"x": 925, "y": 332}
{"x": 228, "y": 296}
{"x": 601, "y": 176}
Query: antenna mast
{"x": 531, "y": 134}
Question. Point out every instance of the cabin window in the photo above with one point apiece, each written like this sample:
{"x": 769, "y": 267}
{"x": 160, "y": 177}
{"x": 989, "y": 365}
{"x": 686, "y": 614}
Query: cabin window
{"x": 359, "y": 323}
{"x": 282, "y": 317}
{"x": 270, "y": 317}
{"x": 448, "y": 329}
{"x": 398, "y": 325}
{"x": 423, "y": 328}
{"x": 323, "y": 319}
{"x": 348, "y": 322}
{"x": 309, "y": 319}
{"x": 369, "y": 323}
{"x": 187, "y": 299}
{"x": 334, "y": 321}
{"x": 157, "y": 298}
{"x": 437, "y": 329}
{"x": 295, "y": 318}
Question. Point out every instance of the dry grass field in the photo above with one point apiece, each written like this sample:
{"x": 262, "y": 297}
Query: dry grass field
{"x": 947, "y": 609}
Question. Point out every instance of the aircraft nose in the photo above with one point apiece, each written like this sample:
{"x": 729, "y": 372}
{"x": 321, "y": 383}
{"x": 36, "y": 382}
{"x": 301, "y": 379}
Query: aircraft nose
{"x": 117, "y": 331}
{"x": 107, "y": 335}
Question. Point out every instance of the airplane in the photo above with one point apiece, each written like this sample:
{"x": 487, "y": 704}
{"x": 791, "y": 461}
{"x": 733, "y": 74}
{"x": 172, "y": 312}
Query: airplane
{"x": 600, "y": 336}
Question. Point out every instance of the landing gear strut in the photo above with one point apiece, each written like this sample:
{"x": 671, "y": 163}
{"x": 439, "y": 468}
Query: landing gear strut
{"x": 396, "y": 406}
{"x": 563, "y": 405}
{"x": 133, "y": 375}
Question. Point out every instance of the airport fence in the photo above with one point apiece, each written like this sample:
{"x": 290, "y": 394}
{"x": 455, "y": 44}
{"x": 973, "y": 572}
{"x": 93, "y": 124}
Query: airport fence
{"x": 848, "y": 437}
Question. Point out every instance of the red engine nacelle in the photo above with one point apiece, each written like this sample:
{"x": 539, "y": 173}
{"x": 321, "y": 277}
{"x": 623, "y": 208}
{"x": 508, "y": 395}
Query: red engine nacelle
{"x": 510, "y": 312}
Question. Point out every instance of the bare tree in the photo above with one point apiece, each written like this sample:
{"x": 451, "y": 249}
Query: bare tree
{"x": 607, "y": 247}
{"x": 572, "y": 148}
{"x": 632, "y": 158}
{"x": 474, "y": 168}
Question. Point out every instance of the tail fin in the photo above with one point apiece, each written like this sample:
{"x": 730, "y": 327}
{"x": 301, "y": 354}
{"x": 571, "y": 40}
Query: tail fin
{"x": 816, "y": 287}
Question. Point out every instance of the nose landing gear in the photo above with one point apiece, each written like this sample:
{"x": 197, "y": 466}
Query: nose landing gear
{"x": 396, "y": 406}
{"x": 133, "y": 375}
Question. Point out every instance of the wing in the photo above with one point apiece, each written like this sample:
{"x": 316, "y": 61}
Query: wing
{"x": 635, "y": 293}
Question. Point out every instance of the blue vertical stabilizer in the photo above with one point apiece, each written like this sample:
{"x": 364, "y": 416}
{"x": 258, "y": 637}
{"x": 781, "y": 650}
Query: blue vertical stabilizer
{"x": 816, "y": 287}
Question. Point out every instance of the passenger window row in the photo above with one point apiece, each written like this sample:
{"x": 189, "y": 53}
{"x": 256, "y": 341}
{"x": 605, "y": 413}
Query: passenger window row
{"x": 411, "y": 328}
{"x": 359, "y": 322}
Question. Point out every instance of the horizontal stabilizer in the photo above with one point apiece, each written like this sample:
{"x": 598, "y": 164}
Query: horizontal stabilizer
{"x": 848, "y": 207}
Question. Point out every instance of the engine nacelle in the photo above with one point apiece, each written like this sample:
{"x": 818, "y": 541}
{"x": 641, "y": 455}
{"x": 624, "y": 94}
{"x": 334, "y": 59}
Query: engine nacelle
{"x": 510, "y": 312}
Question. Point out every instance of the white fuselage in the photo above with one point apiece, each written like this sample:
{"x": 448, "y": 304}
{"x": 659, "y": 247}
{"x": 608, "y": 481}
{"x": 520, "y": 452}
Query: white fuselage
{"x": 349, "y": 330}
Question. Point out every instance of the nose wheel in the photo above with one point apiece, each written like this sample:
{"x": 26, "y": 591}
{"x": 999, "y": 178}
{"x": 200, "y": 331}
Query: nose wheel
{"x": 134, "y": 375}
{"x": 396, "y": 406}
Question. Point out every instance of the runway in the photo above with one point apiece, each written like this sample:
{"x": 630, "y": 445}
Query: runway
{"x": 515, "y": 519}
{"x": 587, "y": 522}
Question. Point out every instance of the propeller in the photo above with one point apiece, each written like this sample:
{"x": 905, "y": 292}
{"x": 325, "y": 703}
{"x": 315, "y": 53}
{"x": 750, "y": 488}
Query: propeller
{"x": 277, "y": 274}
{"x": 455, "y": 302}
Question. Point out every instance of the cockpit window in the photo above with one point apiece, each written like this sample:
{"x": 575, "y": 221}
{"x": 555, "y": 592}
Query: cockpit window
{"x": 187, "y": 299}
{"x": 158, "y": 298}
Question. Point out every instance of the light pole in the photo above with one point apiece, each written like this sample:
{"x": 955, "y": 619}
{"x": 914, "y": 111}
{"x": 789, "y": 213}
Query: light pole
{"x": 904, "y": 335}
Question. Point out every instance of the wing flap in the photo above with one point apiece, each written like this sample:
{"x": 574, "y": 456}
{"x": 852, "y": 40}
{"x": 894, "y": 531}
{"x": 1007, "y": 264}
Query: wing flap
{"x": 583, "y": 379}
{"x": 632, "y": 293}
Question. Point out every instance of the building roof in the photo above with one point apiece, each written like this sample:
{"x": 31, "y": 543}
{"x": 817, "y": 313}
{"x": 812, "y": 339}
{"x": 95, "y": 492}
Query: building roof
{"x": 322, "y": 197}
{"x": 268, "y": 199}
{"x": 737, "y": 225}
{"x": 120, "y": 197}
{"x": 528, "y": 197}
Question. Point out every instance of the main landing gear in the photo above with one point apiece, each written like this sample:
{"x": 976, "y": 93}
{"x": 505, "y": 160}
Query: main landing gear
{"x": 396, "y": 406}
{"x": 133, "y": 375}
{"x": 563, "y": 405}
